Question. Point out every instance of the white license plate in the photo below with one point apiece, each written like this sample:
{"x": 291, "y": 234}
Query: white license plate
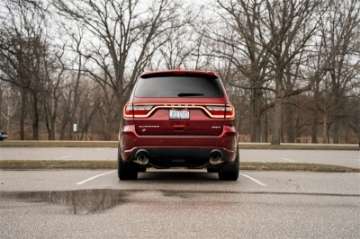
{"x": 179, "y": 114}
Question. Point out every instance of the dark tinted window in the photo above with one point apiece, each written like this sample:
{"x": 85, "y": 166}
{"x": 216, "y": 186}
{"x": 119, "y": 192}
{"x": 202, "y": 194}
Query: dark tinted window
{"x": 178, "y": 86}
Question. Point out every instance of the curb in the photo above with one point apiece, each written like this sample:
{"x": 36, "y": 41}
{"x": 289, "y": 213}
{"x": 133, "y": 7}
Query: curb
{"x": 258, "y": 166}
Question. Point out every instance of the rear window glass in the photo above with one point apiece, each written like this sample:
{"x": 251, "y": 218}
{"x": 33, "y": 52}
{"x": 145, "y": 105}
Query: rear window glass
{"x": 178, "y": 86}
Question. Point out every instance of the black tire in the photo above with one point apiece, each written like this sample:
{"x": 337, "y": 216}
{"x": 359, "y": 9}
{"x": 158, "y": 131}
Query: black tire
{"x": 230, "y": 171}
{"x": 126, "y": 170}
{"x": 212, "y": 170}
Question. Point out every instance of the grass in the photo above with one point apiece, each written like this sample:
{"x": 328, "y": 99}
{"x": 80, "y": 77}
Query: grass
{"x": 80, "y": 164}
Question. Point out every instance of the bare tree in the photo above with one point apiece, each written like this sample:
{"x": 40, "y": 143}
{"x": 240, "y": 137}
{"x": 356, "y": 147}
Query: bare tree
{"x": 21, "y": 48}
{"x": 246, "y": 54}
{"x": 54, "y": 68}
{"x": 340, "y": 34}
{"x": 123, "y": 38}
{"x": 286, "y": 27}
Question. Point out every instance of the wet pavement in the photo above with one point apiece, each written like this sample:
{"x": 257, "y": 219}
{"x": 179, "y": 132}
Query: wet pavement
{"x": 178, "y": 204}
{"x": 77, "y": 202}
{"x": 180, "y": 180}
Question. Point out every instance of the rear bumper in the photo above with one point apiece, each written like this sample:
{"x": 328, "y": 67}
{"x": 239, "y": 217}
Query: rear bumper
{"x": 178, "y": 150}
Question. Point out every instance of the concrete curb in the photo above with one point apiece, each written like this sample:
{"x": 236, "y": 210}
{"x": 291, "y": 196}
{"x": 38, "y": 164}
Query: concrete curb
{"x": 114, "y": 144}
{"x": 80, "y": 164}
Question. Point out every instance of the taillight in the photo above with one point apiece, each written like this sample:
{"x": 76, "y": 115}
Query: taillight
{"x": 220, "y": 111}
{"x": 142, "y": 110}
{"x": 128, "y": 111}
{"x": 230, "y": 112}
{"x": 216, "y": 111}
{"x": 137, "y": 111}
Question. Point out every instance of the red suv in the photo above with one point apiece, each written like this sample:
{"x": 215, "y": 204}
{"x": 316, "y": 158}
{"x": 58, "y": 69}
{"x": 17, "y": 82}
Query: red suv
{"x": 178, "y": 119}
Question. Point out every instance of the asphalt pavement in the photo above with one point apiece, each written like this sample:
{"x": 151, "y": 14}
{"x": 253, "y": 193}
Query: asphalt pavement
{"x": 347, "y": 158}
{"x": 178, "y": 204}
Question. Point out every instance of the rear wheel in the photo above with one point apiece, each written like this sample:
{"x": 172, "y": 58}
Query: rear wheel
{"x": 212, "y": 170}
{"x": 126, "y": 170}
{"x": 230, "y": 171}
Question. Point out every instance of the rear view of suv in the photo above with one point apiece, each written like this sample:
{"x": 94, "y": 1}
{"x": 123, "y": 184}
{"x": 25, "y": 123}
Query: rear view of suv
{"x": 178, "y": 119}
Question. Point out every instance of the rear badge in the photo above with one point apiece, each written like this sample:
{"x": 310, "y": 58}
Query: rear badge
{"x": 149, "y": 126}
{"x": 145, "y": 127}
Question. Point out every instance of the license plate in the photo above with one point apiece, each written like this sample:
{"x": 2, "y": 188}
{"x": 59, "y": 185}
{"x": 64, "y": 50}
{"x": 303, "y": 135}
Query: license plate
{"x": 179, "y": 114}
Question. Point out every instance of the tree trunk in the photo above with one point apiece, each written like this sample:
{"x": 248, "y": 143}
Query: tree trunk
{"x": 52, "y": 133}
{"x": 1, "y": 108}
{"x": 336, "y": 131}
{"x": 22, "y": 114}
{"x": 265, "y": 128}
{"x": 290, "y": 124}
{"x": 325, "y": 129}
{"x": 297, "y": 129}
{"x": 36, "y": 118}
{"x": 276, "y": 122}
{"x": 314, "y": 128}
{"x": 63, "y": 129}
{"x": 257, "y": 129}
{"x": 255, "y": 117}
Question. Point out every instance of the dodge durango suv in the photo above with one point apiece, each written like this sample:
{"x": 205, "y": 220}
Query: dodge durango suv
{"x": 178, "y": 119}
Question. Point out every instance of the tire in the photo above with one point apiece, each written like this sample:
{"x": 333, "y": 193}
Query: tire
{"x": 126, "y": 170}
{"x": 230, "y": 171}
{"x": 212, "y": 170}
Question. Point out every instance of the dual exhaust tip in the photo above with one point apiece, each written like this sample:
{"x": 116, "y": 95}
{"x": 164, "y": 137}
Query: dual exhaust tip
{"x": 216, "y": 157}
{"x": 142, "y": 157}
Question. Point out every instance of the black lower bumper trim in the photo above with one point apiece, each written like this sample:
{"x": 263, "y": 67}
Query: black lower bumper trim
{"x": 174, "y": 157}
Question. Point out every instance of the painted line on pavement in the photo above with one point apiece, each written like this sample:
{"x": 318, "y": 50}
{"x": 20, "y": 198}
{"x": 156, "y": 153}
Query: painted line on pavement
{"x": 65, "y": 157}
{"x": 288, "y": 160}
{"x": 95, "y": 177}
{"x": 253, "y": 179}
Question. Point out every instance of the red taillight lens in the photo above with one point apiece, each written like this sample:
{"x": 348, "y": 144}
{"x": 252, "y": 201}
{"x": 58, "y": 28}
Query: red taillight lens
{"x": 137, "y": 111}
{"x": 216, "y": 111}
{"x": 230, "y": 112}
{"x": 220, "y": 111}
{"x": 142, "y": 110}
{"x": 128, "y": 111}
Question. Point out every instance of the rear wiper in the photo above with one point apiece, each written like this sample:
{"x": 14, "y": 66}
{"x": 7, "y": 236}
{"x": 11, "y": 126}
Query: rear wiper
{"x": 189, "y": 94}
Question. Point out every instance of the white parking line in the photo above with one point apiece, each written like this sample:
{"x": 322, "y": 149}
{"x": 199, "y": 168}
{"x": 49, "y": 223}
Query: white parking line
{"x": 287, "y": 159}
{"x": 253, "y": 179}
{"x": 65, "y": 157}
{"x": 95, "y": 177}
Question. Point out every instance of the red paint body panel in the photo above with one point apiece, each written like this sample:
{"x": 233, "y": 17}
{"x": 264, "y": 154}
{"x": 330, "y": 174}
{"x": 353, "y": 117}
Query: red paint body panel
{"x": 153, "y": 129}
{"x": 130, "y": 141}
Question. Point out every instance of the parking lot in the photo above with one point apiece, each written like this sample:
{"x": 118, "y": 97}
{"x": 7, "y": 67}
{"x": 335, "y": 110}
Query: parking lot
{"x": 347, "y": 158}
{"x": 181, "y": 203}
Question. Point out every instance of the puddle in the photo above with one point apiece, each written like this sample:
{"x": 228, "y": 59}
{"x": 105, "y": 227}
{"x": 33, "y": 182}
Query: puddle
{"x": 175, "y": 194}
{"x": 77, "y": 202}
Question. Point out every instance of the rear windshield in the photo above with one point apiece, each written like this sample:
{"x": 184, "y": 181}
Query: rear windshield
{"x": 178, "y": 86}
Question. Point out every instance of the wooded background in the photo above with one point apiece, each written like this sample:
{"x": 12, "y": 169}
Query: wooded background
{"x": 291, "y": 67}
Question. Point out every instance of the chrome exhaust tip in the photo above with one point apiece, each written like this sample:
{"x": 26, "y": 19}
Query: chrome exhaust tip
{"x": 141, "y": 157}
{"x": 216, "y": 157}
